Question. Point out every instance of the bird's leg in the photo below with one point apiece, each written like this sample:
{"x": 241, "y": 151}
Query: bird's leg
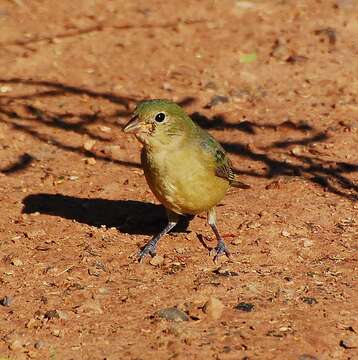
{"x": 220, "y": 248}
{"x": 151, "y": 246}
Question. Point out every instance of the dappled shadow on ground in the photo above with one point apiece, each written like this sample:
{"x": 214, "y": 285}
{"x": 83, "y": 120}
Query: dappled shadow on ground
{"x": 21, "y": 111}
{"x": 128, "y": 216}
{"x": 329, "y": 174}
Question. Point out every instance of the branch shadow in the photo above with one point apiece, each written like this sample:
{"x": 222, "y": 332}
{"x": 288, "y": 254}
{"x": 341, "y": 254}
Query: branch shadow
{"x": 23, "y": 162}
{"x": 330, "y": 175}
{"x": 14, "y": 108}
{"x": 218, "y": 122}
{"x": 128, "y": 216}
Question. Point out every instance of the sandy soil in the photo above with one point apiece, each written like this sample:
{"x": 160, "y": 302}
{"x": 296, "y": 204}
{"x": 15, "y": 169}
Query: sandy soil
{"x": 276, "y": 83}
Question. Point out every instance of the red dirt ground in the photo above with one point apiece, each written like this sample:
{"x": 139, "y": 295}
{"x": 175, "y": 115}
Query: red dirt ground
{"x": 275, "y": 82}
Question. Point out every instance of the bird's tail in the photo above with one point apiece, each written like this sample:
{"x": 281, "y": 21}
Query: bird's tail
{"x": 239, "y": 184}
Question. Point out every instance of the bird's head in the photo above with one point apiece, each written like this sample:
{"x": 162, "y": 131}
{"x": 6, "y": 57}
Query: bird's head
{"x": 159, "y": 121}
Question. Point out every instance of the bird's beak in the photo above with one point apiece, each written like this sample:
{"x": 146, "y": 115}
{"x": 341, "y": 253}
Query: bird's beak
{"x": 132, "y": 125}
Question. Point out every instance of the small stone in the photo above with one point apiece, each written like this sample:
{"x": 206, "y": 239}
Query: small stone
{"x": 276, "y": 184}
{"x": 285, "y": 233}
{"x": 307, "y": 242}
{"x": 105, "y": 129}
{"x": 310, "y": 300}
{"x": 51, "y": 314}
{"x": 91, "y": 161}
{"x": 73, "y": 177}
{"x": 16, "y": 262}
{"x": 31, "y": 323}
{"x": 236, "y": 241}
{"x": 5, "y": 89}
{"x": 214, "y": 308}
{"x": 167, "y": 86}
{"x": 39, "y": 344}
{"x": 33, "y": 234}
{"x": 247, "y": 307}
{"x": 225, "y": 272}
{"x": 56, "y": 332}
{"x": 6, "y": 301}
{"x": 172, "y": 314}
{"x": 254, "y": 225}
{"x": 94, "y": 272}
{"x": 88, "y": 145}
{"x": 283, "y": 329}
{"x": 297, "y": 150}
{"x": 216, "y": 100}
{"x": 350, "y": 342}
{"x": 157, "y": 260}
{"x": 180, "y": 250}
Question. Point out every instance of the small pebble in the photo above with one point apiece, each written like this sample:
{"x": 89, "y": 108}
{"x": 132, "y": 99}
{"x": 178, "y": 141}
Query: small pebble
{"x": 51, "y": 314}
{"x": 297, "y": 150}
{"x": 17, "y": 262}
{"x": 91, "y": 161}
{"x": 285, "y": 233}
{"x": 225, "y": 272}
{"x": 31, "y": 324}
{"x": 350, "y": 342}
{"x": 32, "y": 234}
{"x": 105, "y": 129}
{"x": 172, "y": 314}
{"x": 310, "y": 300}
{"x": 88, "y": 145}
{"x": 307, "y": 242}
{"x": 56, "y": 332}
{"x": 247, "y": 307}
{"x": 157, "y": 260}
{"x": 39, "y": 344}
{"x": 5, "y": 89}
{"x": 167, "y": 86}
{"x": 6, "y": 301}
{"x": 214, "y": 308}
{"x": 216, "y": 100}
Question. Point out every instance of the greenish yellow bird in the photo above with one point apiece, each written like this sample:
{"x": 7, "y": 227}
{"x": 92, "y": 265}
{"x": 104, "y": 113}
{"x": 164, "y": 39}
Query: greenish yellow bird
{"x": 185, "y": 167}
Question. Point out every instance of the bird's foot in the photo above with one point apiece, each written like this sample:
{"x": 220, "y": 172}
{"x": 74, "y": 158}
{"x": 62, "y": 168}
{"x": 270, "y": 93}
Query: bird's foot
{"x": 149, "y": 249}
{"x": 220, "y": 250}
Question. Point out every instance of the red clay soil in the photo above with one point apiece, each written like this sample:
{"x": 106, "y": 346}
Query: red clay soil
{"x": 276, "y": 83}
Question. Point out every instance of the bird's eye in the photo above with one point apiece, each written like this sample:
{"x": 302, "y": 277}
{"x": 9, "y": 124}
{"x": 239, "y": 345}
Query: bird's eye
{"x": 160, "y": 117}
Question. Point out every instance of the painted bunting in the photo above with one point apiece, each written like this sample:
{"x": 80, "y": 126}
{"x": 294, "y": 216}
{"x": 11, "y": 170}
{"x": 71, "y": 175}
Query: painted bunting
{"x": 185, "y": 167}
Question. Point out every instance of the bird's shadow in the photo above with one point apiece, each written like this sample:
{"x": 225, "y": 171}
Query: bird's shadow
{"x": 128, "y": 216}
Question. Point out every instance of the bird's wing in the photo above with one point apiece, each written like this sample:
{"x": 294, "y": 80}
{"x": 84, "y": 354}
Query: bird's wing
{"x": 223, "y": 165}
{"x": 224, "y": 170}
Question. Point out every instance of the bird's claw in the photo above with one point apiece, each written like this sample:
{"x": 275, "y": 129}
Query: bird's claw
{"x": 220, "y": 250}
{"x": 148, "y": 249}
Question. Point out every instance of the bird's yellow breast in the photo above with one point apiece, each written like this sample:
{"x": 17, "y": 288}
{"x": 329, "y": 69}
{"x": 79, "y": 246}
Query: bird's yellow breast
{"x": 183, "y": 179}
